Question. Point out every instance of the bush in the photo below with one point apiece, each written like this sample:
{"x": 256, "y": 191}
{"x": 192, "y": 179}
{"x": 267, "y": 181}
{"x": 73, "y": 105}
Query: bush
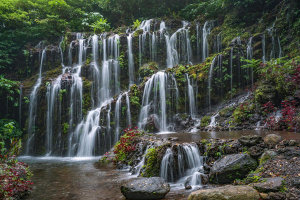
{"x": 126, "y": 144}
{"x": 14, "y": 176}
{"x": 243, "y": 112}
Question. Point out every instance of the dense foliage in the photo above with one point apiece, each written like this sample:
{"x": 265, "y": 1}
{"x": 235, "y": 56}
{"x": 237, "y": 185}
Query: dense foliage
{"x": 14, "y": 176}
{"x": 126, "y": 143}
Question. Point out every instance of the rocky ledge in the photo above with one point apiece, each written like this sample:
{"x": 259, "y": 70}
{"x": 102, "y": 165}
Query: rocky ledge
{"x": 258, "y": 168}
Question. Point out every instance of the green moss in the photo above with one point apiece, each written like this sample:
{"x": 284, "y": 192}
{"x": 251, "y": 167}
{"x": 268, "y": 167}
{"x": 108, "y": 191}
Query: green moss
{"x": 134, "y": 96}
{"x": 152, "y": 165}
{"x": 225, "y": 112}
{"x": 243, "y": 112}
{"x": 148, "y": 69}
{"x": 205, "y": 121}
{"x": 66, "y": 127}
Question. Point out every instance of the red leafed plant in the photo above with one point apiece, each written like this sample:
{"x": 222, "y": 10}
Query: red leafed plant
{"x": 288, "y": 114}
{"x": 127, "y": 143}
{"x": 14, "y": 176}
{"x": 268, "y": 108}
{"x": 288, "y": 119}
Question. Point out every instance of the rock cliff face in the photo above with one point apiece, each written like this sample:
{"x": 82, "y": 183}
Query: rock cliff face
{"x": 157, "y": 77}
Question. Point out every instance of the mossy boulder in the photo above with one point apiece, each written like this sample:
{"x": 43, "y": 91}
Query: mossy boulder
{"x": 231, "y": 167}
{"x": 145, "y": 189}
{"x": 265, "y": 92}
{"x": 270, "y": 185}
{"x": 272, "y": 139}
{"x": 152, "y": 163}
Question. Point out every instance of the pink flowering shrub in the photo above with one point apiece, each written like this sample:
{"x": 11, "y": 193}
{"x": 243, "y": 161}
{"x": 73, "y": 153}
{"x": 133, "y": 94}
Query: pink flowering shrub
{"x": 14, "y": 176}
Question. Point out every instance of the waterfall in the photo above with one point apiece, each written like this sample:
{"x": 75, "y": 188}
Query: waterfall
{"x": 146, "y": 27}
{"x": 129, "y": 122}
{"x": 86, "y": 131}
{"x": 279, "y": 48}
{"x": 76, "y": 88}
{"x": 205, "y": 32}
{"x": 219, "y": 42}
{"x": 231, "y": 71}
{"x": 115, "y": 54}
{"x": 33, "y": 106}
{"x": 175, "y": 87}
{"x": 250, "y": 56}
{"x": 249, "y": 49}
{"x": 178, "y": 47}
{"x": 95, "y": 91}
{"x": 264, "y": 48}
{"x": 157, "y": 84}
{"x": 108, "y": 129}
{"x": 213, "y": 122}
{"x": 130, "y": 60}
{"x": 271, "y": 32}
{"x": 192, "y": 106}
{"x": 20, "y": 104}
{"x": 210, "y": 76}
{"x": 142, "y": 162}
{"x": 198, "y": 39}
{"x": 166, "y": 166}
{"x": 189, "y": 165}
{"x": 82, "y": 141}
{"x": 52, "y": 99}
{"x": 153, "y": 49}
{"x": 117, "y": 118}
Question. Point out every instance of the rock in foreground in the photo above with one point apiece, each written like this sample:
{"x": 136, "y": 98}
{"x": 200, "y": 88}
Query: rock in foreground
{"x": 270, "y": 185}
{"x": 145, "y": 189}
{"x": 225, "y": 193}
{"x": 231, "y": 167}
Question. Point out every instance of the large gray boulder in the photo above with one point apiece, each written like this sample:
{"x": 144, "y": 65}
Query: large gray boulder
{"x": 145, "y": 189}
{"x": 231, "y": 167}
{"x": 226, "y": 193}
{"x": 272, "y": 139}
{"x": 269, "y": 185}
{"x": 250, "y": 140}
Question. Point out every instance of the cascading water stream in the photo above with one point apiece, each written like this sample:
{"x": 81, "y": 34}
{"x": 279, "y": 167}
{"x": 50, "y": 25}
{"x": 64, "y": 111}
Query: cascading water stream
{"x": 231, "y": 72}
{"x": 52, "y": 99}
{"x": 20, "y": 104}
{"x": 96, "y": 86}
{"x": 157, "y": 84}
{"x": 33, "y": 106}
{"x": 129, "y": 122}
{"x": 205, "y": 32}
{"x": 249, "y": 57}
{"x": 82, "y": 141}
{"x": 189, "y": 165}
{"x": 117, "y": 117}
{"x": 166, "y": 166}
{"x": 178, "y": 47}
{"x": 130, "y": 60}
{"x": 263, "y": 41}
{"x": 210, "y": 76}
{"x": 191, "y": 96}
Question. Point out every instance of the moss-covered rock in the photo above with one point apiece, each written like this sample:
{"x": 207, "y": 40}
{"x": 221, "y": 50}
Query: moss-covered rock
{"x": 152, "y": 164}
{"x": 265, "y": 92}
{"x": 148, "y": 69}
{"x": 205, "y": 121}
{"x": 231, "y": 167}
